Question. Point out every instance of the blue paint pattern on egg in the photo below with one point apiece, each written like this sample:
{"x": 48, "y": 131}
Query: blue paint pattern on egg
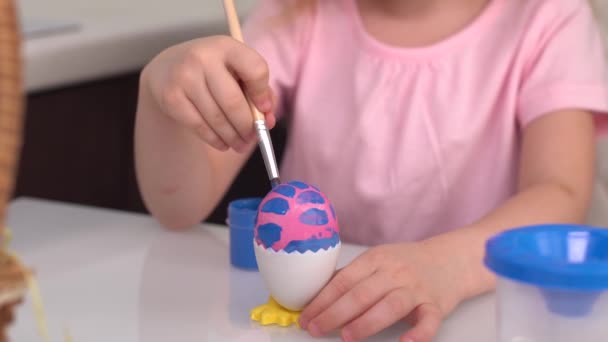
{"x": 285, "y": 190}
{"x": 277, "y": 206}
{"x": 314, "y": 217}
{"x": 310, "y": 196}
{"x": 299, "y": 185}
{"x": 312, "y": 244}
{"x": 269, "y": 233}
{"x": 296, "y": 217}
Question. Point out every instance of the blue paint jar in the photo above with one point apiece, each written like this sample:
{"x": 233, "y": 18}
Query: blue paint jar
{"x": 242, "y": 214}
{"x": 552, "y": 283}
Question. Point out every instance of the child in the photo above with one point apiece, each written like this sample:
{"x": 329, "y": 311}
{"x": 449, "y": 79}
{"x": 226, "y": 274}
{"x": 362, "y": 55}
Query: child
{"x": 431, "y": 124}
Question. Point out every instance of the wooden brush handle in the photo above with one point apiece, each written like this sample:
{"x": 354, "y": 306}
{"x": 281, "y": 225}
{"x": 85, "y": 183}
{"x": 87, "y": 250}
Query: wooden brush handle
{"x": 236, "y": 33}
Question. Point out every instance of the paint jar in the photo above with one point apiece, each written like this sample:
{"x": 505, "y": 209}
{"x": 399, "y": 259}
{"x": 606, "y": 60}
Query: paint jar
{"x": 242, "y": 214}
{"x": 552, "y": 283}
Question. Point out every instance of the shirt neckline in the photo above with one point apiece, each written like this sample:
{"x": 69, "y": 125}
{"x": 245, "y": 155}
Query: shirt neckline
{"x": 423, "y": 52}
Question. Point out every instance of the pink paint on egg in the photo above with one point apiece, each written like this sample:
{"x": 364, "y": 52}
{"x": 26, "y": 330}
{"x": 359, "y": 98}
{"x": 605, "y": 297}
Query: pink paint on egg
{"x": 296, "y": 216}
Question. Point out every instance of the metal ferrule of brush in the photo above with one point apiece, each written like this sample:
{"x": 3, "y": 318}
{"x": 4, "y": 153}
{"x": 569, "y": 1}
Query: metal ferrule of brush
{"x": 267, "y": 151}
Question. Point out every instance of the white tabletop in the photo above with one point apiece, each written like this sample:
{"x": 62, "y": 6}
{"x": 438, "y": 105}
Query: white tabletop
{"x": 115, "y": 276}
{"x": 90, "y": 39}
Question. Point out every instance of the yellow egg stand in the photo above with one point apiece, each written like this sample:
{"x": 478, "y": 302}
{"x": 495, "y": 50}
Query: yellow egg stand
{"x": 273, "y": 313}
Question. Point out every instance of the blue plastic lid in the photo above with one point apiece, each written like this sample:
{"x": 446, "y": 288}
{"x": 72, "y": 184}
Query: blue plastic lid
{"x": 557, "y": 256}
{"x": 242, "y": 212}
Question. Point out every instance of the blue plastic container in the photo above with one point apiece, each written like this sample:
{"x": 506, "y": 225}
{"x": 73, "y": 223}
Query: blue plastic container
{"x": 552, "y": 283}
{"x": 242, "y": 214}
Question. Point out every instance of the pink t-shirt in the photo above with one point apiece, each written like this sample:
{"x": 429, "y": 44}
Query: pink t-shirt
{"x": 412, "y": 142}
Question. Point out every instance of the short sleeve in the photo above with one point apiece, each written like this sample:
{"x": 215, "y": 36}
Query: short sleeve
{"x": 569, "y": 70}
{"x": 279, "y": 30}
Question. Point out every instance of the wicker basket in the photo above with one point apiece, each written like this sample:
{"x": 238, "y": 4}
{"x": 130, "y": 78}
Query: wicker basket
{"x": 12, "y": 274}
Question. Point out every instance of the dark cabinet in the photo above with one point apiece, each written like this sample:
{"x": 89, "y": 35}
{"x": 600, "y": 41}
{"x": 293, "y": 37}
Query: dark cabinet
{"x": 79, "y": 148}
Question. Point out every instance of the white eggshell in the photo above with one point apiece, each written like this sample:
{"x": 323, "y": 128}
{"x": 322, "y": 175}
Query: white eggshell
{"x": 294, "y": 279}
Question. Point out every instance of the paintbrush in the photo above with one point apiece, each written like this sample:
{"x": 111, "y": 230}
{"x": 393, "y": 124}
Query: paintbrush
{"x": 264, "y": 141}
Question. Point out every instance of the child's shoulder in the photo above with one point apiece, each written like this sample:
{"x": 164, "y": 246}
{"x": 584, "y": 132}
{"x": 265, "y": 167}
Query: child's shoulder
{"x": 539, "y": 20}
{"x": 552, "y": 9}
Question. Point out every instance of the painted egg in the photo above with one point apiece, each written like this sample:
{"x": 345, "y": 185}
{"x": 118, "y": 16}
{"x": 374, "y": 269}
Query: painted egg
{"x": 297, "y": 243}
{"x": 296, "y": 216}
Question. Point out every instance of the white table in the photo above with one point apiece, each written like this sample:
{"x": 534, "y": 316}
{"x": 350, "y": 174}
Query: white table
{"x": 115, "y": 276}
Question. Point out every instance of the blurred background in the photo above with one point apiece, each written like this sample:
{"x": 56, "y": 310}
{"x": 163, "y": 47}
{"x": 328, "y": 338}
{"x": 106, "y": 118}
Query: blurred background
{"x": 83, "y": 59}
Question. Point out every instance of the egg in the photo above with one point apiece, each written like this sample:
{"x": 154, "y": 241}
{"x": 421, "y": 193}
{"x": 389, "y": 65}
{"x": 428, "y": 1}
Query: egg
{"x": 296, "y": 243}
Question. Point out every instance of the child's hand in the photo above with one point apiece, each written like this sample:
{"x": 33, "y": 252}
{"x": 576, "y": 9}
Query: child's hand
{"x": 199, "y": 84}
{"x": 384, "y": 285}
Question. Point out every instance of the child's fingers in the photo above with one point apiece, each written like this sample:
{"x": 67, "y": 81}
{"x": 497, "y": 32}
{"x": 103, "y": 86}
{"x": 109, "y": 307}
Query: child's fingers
{"x": 210, "y": 137}
{"x": 271, "y": 120}
{"x": 233, "y": 122}
{"x": 392, "y": 308}
{"x": 342, "y": 282}
{"x": 176, "y": 104}
{"x": 207, "y": 107}
{"x": 197, "y": 93}
{"x": 184, "y": 111}
{"x": 427, "y": 322}
{"x": 352, "y": 304}
{"x": 200, "y": 97}
{"x": 252, "y": 70}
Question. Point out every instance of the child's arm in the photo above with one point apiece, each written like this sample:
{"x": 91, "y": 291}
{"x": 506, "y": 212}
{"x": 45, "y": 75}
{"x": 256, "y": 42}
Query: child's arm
{"x": 555, "y": 186}
{"x": 424, "y": 281}
{"x": 191, "y": 109}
